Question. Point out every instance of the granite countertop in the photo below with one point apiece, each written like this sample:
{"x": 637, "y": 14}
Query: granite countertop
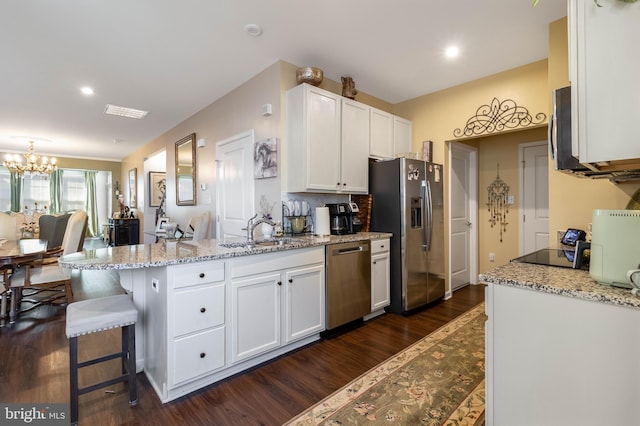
{"x": 568, "y": 282}
{"x": 174, "y": 253}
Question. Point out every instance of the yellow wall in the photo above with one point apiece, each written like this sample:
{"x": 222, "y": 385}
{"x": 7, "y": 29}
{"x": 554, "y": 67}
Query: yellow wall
{"x": 572, "y": 199}
{"x": 503, "y": 150}
{"x": 436, "y": 116}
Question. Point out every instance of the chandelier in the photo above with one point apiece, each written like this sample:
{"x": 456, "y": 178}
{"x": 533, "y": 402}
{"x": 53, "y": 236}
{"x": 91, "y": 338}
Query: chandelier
{"x": 35, "y": 163}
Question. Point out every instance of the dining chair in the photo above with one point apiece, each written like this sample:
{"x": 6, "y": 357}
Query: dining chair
{"x": 52, "y": 228}
{"x": 47, "y": 275}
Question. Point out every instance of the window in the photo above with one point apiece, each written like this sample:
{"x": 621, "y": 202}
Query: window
{"x": 73, "y": 190}
{"x": 35, "y": 191}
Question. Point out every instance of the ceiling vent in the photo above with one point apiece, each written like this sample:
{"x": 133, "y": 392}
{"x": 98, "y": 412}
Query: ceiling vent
{"x": 125, "y": 112}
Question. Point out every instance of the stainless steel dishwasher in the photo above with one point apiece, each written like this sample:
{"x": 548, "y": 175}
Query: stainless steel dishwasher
{"x": 348, "y": 282}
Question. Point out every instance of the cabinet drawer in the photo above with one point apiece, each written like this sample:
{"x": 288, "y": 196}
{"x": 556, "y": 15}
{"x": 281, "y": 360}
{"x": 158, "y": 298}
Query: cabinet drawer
{"x": 197, "y": 355}
{"x": 198, "y": 308}
{"x": 379, "y": 246}
{"x": 197, "y": 273}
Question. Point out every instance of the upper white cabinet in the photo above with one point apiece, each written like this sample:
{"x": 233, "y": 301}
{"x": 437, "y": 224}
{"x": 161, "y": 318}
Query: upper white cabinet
{"x": 401, "y": 135}
{"x": 354, "y": 158}
{"x": 330, "y": 140}
{"x": 390, "y": 134}
{"x": 318, "y": 159}
{"x": 381, "y": 141}
{"x": 604, "y": 69}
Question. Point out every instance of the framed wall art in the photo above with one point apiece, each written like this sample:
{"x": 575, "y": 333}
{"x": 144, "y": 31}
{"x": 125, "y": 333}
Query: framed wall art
{"x": 157, "y": 188}
{"x": 265, "y": 159}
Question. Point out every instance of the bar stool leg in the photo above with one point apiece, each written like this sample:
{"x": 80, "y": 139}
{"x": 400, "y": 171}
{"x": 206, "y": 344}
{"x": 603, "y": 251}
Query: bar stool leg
{"x": 131, "y": 350}
{"x": 73, "y": 378}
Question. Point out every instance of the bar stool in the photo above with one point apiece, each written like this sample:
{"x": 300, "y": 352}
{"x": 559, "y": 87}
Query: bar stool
{"x": 92, "y": 316}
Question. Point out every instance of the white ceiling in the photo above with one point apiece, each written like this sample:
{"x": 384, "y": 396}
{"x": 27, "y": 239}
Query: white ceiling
{"x": 174, "y": 57}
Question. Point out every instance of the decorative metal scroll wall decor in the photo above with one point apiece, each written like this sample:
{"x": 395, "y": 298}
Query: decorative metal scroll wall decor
{"x": 498, "y": 207}
{"x": 497, "y": 117}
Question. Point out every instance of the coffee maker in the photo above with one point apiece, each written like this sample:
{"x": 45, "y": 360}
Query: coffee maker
{"x": 343, "y": 219}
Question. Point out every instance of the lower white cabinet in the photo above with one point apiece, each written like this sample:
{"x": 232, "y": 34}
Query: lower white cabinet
{"x": 206, "y": 321}
{"x": 185, "y": 328}
{"x": 380, "y": 282}
{"x": 553, "y": 359}
{"x": 196, "y": 320}
{"x": 276, "y": 299}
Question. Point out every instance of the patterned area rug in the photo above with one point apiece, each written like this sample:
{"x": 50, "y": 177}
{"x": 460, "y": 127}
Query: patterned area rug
{"x": 437, "y": 381}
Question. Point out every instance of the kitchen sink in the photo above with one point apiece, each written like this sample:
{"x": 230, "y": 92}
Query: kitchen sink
{"x": 274, "y": 242}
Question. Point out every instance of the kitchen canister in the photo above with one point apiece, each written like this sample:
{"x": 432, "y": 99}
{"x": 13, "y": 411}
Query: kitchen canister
{"x": 322, "y": 221}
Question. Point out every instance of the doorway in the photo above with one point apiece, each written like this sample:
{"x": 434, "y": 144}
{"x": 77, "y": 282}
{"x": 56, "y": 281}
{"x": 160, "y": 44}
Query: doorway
{"x": 463, "y": 215}
{"x": 534, "y": 199}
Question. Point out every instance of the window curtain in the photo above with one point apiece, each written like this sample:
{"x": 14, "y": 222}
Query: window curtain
{"x": 55, "y": 190}
{"x": 92, "y": 204}
{"x": 16, "y": 192}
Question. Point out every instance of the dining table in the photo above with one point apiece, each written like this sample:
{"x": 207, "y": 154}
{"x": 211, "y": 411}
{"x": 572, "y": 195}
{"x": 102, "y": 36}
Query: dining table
{"x": 14, "y": 254}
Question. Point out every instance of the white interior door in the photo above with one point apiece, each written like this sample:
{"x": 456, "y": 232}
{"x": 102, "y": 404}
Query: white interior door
{"x": 234, "y": 186}
{"x": 534, "y": 182}
{"x": 463, "y": 264}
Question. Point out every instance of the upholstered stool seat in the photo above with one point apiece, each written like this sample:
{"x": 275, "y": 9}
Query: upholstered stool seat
{"x": 96, "y": 315}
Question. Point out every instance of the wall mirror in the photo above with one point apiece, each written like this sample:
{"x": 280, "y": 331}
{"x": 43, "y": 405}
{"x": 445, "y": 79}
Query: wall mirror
{"x": 186, "y": 171}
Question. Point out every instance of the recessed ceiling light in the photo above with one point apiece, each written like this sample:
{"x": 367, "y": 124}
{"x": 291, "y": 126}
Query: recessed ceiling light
{"x": 452, "y": 51}
{"x": 87, "y": 91}
{"x": 253, "y": 29}
{"x": 125, "y": 112}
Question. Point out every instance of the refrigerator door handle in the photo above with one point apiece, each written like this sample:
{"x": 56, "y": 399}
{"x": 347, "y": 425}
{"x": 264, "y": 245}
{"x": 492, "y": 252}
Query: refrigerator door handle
{"x": 427, "y": 228}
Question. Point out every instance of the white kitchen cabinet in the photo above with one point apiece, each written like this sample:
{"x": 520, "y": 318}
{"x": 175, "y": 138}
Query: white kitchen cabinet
{"x": 184, "y": 316}
{"x": 381, "y": 139}
{"x": 559, "y": 360}
{"x": 402, "y": 133}
{"x": 314, "y": 133}
{"x": 380, "y": 282}
{"x": 390, "y": 135}
{"x": 328, "y": 142}
{"x": 354, "y": 153}
{"x": 196, "y": 320}
{"x": 604, "y": 72}
{"x": 275, "y": 295}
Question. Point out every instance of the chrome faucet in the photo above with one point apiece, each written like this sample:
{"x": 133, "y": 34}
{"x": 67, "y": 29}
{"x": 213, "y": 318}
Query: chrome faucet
{"x": 252, "y": 223}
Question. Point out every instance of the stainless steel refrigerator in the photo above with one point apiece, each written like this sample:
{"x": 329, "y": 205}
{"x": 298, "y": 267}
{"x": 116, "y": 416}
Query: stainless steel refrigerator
{"x": 408, "y": 202}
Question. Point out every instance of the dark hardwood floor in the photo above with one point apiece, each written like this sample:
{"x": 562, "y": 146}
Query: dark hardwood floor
{"x": 34, "y": 367}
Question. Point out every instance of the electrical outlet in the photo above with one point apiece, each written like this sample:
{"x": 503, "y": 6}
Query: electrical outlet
{"x": 511, "y": 199}
{"x": 492, "y": 257}
{"x": 155, "y": 284}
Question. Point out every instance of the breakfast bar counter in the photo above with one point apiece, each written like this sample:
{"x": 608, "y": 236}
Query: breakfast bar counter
{"x": 167, "y": 253}
{"x": 211, "y": 309}
{"x": 560, "y": 348}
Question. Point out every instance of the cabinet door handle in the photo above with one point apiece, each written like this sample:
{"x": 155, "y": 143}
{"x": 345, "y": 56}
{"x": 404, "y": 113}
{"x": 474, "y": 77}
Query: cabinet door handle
{"x": 202, "y": 354}
{"x": 344, "y": 184}
{"x": 201, "y": 274}
{"x": 290, "y": 280}
{"x": 279, "y": 282}
{"x": 375, "y": 263}
{"x": 203, "y": 310}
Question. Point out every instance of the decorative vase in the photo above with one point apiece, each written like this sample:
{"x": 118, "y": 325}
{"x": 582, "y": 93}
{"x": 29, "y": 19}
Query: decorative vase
{"x": 310, "y": 75}
{"x": 267, "y": 230}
